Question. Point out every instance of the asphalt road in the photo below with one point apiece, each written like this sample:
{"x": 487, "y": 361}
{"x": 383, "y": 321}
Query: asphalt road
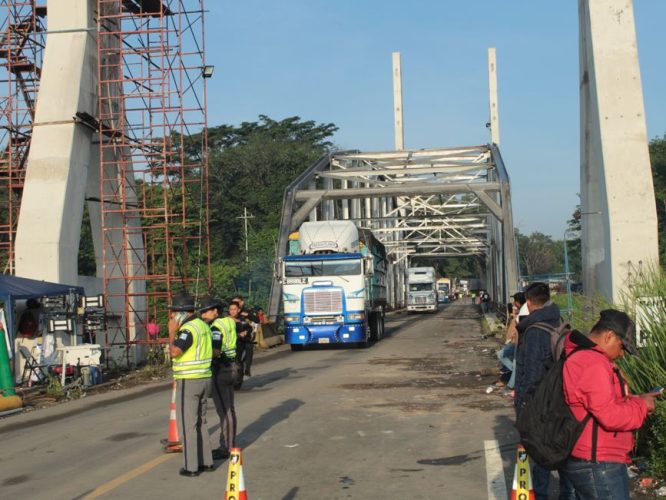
{"x": 406, "y": 418}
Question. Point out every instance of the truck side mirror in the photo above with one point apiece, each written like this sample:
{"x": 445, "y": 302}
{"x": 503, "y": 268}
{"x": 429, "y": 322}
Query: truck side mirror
{"x": 369, "y": 266}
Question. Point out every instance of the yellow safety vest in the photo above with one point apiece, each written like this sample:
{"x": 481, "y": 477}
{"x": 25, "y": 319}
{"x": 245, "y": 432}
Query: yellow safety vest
{"x": 195, "y": 361}
{"x": 227, "y": 327}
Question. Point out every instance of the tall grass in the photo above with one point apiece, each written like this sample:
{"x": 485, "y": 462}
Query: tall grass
{"x": 645, "y": 301}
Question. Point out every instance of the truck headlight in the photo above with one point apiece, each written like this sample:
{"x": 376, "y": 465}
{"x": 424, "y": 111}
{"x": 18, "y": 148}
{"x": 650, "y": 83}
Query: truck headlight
{"x": 360, "y": 316}
{"x": 291, "y": 319}
{"x": 307, "y": 319}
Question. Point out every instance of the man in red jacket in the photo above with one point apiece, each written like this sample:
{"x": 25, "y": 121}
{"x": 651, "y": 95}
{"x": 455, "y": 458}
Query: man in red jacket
{"x": 593, "y": 385}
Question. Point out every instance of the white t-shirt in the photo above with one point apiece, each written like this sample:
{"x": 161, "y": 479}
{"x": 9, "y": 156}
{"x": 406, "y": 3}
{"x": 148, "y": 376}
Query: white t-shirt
{"x": 524, "y": 311}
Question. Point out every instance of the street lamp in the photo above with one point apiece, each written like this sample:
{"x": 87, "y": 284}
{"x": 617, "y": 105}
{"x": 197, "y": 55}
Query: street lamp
{"x": 207, "y": 71}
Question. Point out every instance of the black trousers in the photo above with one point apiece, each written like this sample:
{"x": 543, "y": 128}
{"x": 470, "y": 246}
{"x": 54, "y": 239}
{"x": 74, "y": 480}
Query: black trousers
{"x": 224, "y": 378}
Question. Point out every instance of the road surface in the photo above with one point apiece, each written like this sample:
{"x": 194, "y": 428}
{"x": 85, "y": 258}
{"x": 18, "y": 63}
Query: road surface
{"x": 406, "y": 418}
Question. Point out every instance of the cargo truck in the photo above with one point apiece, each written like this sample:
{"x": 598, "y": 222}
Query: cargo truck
{"x": 334, "y": 286}
{"x": 421, "y": 289}
{"x": 444, "y": 292}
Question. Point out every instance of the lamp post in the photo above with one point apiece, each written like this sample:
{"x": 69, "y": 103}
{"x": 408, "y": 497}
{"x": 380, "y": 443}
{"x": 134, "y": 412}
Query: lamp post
{"x": 567, "y": 274}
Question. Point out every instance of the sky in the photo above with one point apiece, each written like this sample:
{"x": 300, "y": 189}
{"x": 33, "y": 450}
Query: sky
{"x": 330, "y": 61}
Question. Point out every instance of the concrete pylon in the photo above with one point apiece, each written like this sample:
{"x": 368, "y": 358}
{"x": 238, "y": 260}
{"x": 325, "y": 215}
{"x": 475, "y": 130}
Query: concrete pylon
{"x": 619, "y": 219}
{"x": 49, "y": 226}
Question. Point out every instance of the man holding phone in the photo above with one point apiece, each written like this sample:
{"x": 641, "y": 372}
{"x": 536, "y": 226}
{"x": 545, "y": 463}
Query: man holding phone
{"x": 594, "y": 386}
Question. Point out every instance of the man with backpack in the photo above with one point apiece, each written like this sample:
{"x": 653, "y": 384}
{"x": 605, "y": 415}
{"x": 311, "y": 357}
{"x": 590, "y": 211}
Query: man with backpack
{"x": 534, "y": 358}
{"x": 594, "y": 386}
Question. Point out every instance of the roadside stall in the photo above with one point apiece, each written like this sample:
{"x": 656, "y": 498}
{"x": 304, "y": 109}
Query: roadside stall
{"x": 41, "y": 325}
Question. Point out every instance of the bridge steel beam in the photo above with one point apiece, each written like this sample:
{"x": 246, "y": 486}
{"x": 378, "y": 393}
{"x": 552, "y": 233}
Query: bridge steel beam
{"x": 619, "y": 220}
{"x": 435, "y": 203}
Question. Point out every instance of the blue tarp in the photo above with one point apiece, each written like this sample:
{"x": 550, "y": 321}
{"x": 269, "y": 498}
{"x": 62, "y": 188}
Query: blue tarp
{"x": 15, "y": 288}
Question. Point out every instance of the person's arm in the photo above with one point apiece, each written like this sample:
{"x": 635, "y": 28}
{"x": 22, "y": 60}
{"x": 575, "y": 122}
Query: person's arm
{"x": 217, "y": 341}
{"x": 178, "y": 344}
{"x": 597, "y": 392}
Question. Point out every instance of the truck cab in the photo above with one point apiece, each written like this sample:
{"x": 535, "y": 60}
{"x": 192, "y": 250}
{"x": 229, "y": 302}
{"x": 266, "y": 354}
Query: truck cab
{"x": 334, "y": 288}
{"x": 421, "y": 289}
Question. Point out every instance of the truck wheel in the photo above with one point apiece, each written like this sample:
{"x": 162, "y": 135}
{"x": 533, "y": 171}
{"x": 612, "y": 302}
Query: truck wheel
{"x": 373, "y": 322}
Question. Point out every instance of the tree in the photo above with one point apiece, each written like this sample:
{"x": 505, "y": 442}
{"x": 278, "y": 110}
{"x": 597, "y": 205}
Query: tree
{"x": 658, "y": 161}
{"x": 539, "y": 254}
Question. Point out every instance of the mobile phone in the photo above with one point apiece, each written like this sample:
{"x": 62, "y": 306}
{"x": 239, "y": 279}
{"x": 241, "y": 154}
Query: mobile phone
{"x": 659, "y": 389}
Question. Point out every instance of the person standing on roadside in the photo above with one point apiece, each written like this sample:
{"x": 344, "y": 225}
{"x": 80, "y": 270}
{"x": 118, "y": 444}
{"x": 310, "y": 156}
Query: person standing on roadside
{"x": 224, "y": 378}
{"x": 533, "y": 359}
{"x": 191, "y": 349}
{"x": 594, "y": 386}
{"x": 245, "y": 331}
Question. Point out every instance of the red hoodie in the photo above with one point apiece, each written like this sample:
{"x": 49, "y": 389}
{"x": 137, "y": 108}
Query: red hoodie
{"x": 591, "y": 384}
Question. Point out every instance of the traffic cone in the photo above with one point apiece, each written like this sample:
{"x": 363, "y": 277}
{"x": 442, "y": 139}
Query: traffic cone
{"x": 172, "y": 443}
{"x": 522, "y": 477}
{"x": 235, "y": 480}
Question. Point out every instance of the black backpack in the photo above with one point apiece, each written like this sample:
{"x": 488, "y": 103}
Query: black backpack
{"x": 548, "y": 429}
{"x": 557, "y": 335}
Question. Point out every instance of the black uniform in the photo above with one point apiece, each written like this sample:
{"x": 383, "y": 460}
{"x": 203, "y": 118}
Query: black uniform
{"x": 245, "y": 344}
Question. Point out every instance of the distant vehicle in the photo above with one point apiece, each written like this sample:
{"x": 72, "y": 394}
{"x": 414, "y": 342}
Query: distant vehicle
{"x": 463, "y": 287}
{"x": 421, "y": 289}
{"x": 476, "y": 285}
{"x": 334, "y": 285}
{"x": 444, "y": 291}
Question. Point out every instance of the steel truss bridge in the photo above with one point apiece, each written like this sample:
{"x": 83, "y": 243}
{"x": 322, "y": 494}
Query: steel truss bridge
{"x": 426, "y": 203}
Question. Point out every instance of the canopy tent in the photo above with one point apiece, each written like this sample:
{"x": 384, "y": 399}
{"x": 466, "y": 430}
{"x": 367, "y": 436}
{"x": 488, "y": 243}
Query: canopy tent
{"x": 13, "y": 288}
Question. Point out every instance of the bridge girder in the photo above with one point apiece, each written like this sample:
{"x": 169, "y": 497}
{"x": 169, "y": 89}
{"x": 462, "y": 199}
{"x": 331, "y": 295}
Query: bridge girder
{"x": 434, "y": 203}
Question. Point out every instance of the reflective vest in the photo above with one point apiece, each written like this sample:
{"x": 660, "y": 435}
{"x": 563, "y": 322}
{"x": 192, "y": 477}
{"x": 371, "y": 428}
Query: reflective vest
{"x": 227, "y": 330}
{"x": 195, "y": 361}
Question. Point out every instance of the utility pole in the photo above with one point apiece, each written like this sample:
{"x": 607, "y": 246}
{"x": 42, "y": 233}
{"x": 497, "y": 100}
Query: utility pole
{"x": 245, "y": 218}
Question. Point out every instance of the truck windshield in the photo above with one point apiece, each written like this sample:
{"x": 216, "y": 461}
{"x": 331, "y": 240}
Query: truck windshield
{"x": 443, "y": 288}
{"x": 420, "y": 287}
{"x": 323, "y": 268}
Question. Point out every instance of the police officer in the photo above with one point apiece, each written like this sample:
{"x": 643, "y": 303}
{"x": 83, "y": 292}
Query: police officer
{"x": 224, "y": 377}
{"x": 191, "y": 349}
{"x": 246, "y": 340}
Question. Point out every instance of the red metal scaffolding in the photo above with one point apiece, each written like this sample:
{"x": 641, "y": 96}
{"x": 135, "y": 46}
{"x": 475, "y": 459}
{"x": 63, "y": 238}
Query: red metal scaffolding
{"x": 21, "y": 49}
{"x": 153, "y": 159}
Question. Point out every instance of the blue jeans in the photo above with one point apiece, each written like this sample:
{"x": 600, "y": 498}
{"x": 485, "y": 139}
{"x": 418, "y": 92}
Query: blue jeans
{"x": 601, "y": 480}
{"x": 541, "y": 479}
{"x": 506, "y": 355}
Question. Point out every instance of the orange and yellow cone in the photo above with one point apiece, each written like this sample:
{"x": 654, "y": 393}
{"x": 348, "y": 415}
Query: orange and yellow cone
{"x": 522, "y": 488}
{"x": 172, "y": 443}
{"x": 235, "y": 480}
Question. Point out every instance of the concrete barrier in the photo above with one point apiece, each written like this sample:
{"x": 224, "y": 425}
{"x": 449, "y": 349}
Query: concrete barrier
{"x": 267, "y": 336}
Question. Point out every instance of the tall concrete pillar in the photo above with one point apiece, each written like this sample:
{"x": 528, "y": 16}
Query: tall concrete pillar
{"x": 49, "y": 226}
{"x": 619, "y": 220}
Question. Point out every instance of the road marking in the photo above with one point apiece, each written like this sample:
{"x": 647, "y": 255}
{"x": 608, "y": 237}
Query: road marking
{"x": 495, "y": 471}
{"x": 128, "y": 476}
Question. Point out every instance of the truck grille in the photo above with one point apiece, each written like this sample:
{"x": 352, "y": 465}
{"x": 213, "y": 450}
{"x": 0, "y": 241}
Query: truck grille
{"x": 420, "y": 300}
{"x": 322, "y": 301}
